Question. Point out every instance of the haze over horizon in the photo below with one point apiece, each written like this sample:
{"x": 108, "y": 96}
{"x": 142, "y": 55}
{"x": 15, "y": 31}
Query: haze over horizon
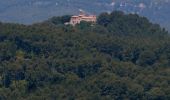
{"x": 32, "y": 11}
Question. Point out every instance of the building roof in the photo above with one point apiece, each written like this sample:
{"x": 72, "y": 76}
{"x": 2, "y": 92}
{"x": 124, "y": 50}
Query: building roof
{"x": 84, "y": 16}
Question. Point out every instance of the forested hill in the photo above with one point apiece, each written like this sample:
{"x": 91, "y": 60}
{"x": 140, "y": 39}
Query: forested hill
{"x": 120, "y": 57}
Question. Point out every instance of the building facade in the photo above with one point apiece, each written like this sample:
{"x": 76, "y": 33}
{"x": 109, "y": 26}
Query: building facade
{"x": 82, "y": 17}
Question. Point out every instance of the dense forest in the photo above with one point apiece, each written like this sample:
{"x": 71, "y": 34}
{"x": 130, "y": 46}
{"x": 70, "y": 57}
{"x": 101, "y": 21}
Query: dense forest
{"x": 121, "y": 57}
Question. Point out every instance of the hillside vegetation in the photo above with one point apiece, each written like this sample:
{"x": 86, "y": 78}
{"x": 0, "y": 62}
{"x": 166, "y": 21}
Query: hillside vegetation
{"x": 121, "y": 57}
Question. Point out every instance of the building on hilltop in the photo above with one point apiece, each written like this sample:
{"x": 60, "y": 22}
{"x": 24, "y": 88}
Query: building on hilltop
{"x": 82, "y": 17}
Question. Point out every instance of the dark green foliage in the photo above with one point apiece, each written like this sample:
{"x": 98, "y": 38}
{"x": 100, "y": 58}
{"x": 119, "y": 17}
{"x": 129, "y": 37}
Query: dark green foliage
{"x": 60, "y": 20}
{"x": 119, "y": 23}
{"x": 121, "y": 57}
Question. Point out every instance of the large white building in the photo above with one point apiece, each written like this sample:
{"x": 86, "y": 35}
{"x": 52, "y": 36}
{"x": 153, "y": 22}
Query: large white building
{"x": 82, "y": 17}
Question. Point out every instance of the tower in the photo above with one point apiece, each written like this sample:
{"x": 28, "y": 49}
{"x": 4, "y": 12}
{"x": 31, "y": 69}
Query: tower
{"x": 81, "y": 12}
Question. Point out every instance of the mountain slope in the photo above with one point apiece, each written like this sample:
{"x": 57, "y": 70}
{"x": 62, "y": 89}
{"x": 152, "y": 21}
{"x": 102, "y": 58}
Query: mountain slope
{"x": 121, "y": 57}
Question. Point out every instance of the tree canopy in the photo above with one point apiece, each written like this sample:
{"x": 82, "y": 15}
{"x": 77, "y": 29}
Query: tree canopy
{"x": 122, "y": 56}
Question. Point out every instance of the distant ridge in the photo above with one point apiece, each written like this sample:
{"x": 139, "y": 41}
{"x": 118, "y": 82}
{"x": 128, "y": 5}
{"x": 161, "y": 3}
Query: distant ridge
{"x": 31, "y": 11}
